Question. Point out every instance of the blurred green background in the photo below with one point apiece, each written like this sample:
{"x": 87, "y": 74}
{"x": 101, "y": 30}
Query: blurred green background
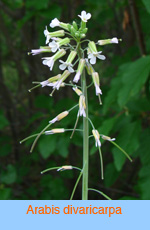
{"x": 125, "y": 113}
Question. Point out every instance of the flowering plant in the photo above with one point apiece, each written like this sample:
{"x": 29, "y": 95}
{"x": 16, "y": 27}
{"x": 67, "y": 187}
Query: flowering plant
{"x": 70, "y": 38}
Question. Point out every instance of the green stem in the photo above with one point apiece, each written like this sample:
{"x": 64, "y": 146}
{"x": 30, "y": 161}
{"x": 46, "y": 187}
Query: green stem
{"x": 122, "y": 150}
{"x": 74, "y": 189}
{"x": 85, "y": 143}
{"x": 38, "y": 136}
{"x": 101, "y": 193}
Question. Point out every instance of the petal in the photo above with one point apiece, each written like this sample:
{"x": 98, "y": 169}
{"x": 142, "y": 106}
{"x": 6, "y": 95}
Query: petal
{"x": 90, "y": 55}
{"x": 102, "y": 57}
{"x": 61, "y": 61}
{"x": 83, "y": 13}
{"x": 88, "y": 16}
{"x": 71, "y": 70}
{"x": 54, "y": 49}
{"x": 93, "y": 60}
{"x": 62, "y": 66}
{"x": 52, "y": 44}
{"x": 114, "y": 40}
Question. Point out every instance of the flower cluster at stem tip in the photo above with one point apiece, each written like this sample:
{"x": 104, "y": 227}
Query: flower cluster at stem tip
{"x": 69, "y": 39}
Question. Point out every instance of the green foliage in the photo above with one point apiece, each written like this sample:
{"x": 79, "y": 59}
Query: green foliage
{"x": 133, "y": 78}
{"x": 147, "y": 5}
{"x": 10, "y": 175}
{"x": 4, "y": 122}
{"x": 47, "y": 146}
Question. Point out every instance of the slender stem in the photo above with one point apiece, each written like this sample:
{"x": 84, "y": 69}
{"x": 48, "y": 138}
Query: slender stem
{"x": 101, "y": 161}
{"x": 101, "y": 193}
{"x": 36, "y": 139}
{"x": 74, "y": 189}
{"x": 122, "y": 150}
{"x": 85, "y": 143}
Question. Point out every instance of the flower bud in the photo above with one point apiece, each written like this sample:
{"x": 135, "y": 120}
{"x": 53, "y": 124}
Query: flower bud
{"x": 108, "y": 138}
{"x": 97, "y": 137}
{"x": 82, "y": 35}
{"x": 78, "y": 91}
{"x": 79, "y": 70}
{"x": 82, "y": 106}
{"x": 92, "y": 47}
{"x": 59, "y": 117}
{"x": 71, "y": 57}
{"x": 108, "y": 41}
{"x": 65, "y": 167}
{"x": 62, "y": 115}
{"x": 64, "y": 41}
{"x": 63, "y": 77}
{"x": 59, "y": 54}
{"x": 89, "y": 68}
{"x": 64, "y": 25}
{"x": 54, "y": 131}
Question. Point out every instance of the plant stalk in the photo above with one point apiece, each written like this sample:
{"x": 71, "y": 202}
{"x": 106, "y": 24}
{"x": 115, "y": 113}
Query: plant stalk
{"x": 85, "y": 143}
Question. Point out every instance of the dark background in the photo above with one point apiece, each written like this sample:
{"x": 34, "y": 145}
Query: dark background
{"x": 124, "y": 114}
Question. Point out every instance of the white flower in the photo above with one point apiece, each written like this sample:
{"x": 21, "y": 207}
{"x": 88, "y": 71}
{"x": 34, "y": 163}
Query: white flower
{"x": 55, "y": 22}
{"x": 85, "y": 16}
{"x": 77, "y": 77}
{"x": 96, "y": 81}
{"x": 53, "y": 131}
{"x": 79, "y": 70}
{"x": 65, "y": 65}
{"x": 114, "y": 40}
{"x": 65, "y": 167}
{"x": 59, "y": 117}
{"x": 47, "y": 35}
{"x": 94, "y": 55}
{"x": 44, "y": 83}
{"x": 98, "y": 90}
{"x": 63, "y": 77}
{"x": 82, "y": 106}
{"x": 49, "y": 62}
{"x": 97, "y": 137}
{"x": 41, "y": 50}
{"x": 108, "y": 138}
{"x": 54, "y": 46}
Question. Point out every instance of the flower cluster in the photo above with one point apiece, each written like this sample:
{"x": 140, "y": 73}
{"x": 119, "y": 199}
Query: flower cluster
{"x": 59, "y": 41}
{"x": 59, "y": 44}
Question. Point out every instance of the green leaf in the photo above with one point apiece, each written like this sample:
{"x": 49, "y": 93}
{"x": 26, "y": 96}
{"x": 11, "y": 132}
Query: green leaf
{"x": 44, "y": 102}
{"x": 111, "y": 97}
{"x": 142, "y": 151}
{"x": 62, "y": 146}
{"x": 147, "y": 5}
{"x": 47, "y": 145}
{"x": 9, "y": 176}
{"x": 38, "y": 5}
{"x": 5, "y": 149}
{"x": 133, "y": 78}
{"x": 110, "y": 175}
{"x": 3, "y": 121}
{"x": 54, "y": 11}
{"x": 107, "y": 126}
{"x": 5, "y": 193}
